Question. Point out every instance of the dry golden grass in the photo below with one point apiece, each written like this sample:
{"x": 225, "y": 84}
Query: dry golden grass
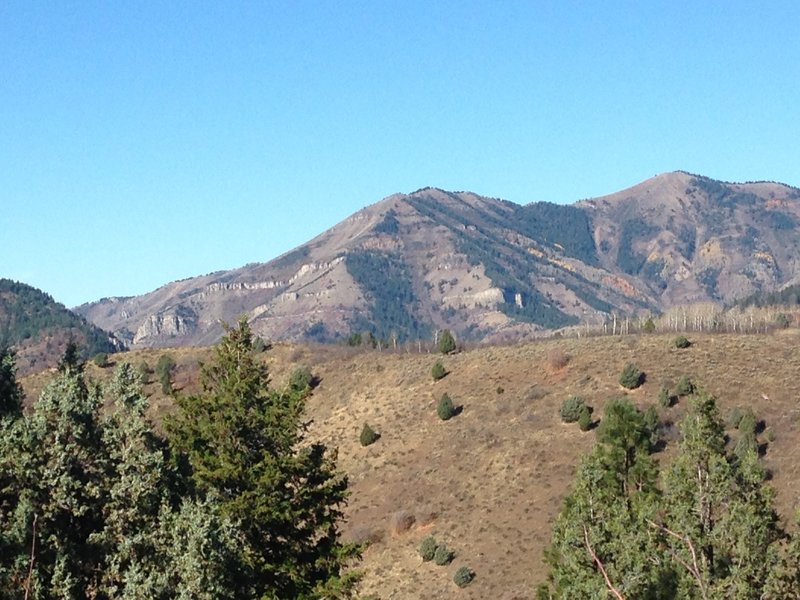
{"x": 489, "y": 482}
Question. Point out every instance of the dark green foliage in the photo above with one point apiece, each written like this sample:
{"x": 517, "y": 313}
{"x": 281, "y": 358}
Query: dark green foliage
{"x": 26, "y": 313}
{"x": 782, "y": 320}
{"x": 684, "y": 387}
{"x": 389, "y": 225}
{"x": 748, "y": 422}
{"x": 101, "y": 360}
{"x": 664, "y": 399}
{"x": 427, "y": 549}
{"x": 317, "y": 332}
{"x": 443, "y": 555}
{"x": 463, "y": 576}
{"x": 572, "y": 408}
{"x": 387, "y": 284}
{"x": 681, "y": 342}
{"x": 259, "y": 345}
{"x": 631, "y": 377}
{"x": 438, "y": 371}
{"x": 10, "y": 390}
{"x": 562, "y": 224}
{"x": 245, "y": 444}
{"x": 705, "y": 528}
{"x": 649, "y": 326}
{"x": 445, "y": 408}
{"x": 447, "y": 343}
{"x": 789, "y": 295}
{"x": 368, "y": 435}
{"x": 302, "y": 380}
{"x": 164, "y": 368}
{"x": 144, "y": 371}
{"x": 585, "y": 418}
{"x": 627, "y": 259}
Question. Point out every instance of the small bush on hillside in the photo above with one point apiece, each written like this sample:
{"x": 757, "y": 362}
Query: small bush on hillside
{"x": 164, "y": 368}
{"x": 664, "y": 399}
{"x": 585, "y": 418}
{"x": 443, "y": 555}
{"x": 747, "y": 424}
{"x": 259, "y": 345}
{"x": 301, "y": 379}
{"x": 737, "y": 412}
{"x": 649, "y": 326}
{"x": 557, "y": 359}
{"x": 684, "y": 387}
{"x": 427, "y": 549}
{"x": 500, "y": 390}
{"x": 445, "y": 408}
{"x": 101, "y": 360}
{"x": 447, "y": 343}
{"x": 401, "y": 522}
{"x": 571, "y": 409}
{"x": 438, "y": 371}
{"x": 631, "y": 377}
{"x": 682, "y": 342}
{"x": 144, "y": 371}
{"x": 368, "y": 435}
{"x": 463, "y": 576}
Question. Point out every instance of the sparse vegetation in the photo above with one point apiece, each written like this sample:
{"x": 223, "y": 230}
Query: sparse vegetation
{"x": 632, "y": 377}
{"x": 301, "y": 380}
{"x": 585, "y": 418}
{"x": 557, "y": 359}
{"x": 101, "y": 360}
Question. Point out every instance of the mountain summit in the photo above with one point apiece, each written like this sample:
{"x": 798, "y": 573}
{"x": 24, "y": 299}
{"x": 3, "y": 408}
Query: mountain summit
{"x": 431, "y": 259}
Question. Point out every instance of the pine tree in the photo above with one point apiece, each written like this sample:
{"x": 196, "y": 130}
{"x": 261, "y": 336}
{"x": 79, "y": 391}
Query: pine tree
{"x": 10, "y": 390}
{"x": 63, "y": 467}
{"x": 246, "y": 444}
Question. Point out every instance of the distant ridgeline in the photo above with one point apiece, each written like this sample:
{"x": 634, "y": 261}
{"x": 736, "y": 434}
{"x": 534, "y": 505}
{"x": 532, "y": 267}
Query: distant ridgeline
{"x": 28, "y": 314}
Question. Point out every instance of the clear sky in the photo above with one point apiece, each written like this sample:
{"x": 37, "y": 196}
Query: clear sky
{"x": 143, "y": 142}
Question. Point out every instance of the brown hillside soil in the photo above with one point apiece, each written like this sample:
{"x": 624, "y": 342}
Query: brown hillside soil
{"x": 490, "y": 481}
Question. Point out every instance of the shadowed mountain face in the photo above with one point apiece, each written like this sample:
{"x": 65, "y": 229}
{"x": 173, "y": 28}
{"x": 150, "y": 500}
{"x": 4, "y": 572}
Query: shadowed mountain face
{"x": 483, "y": 267}
{"x": 38, "y": 328}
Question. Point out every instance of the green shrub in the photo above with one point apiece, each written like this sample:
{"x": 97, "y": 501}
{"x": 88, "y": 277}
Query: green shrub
{"x": 571, "y": 409}
{"x": 770, "y": 433}
{"x": 631, "y": 377}
{"x": 101, "y": 360}
{"x": 427, "y": 549}
{"x": 684, "y": 387}
{"x": 463, "y": 576}
{"x": 438, "y": 371}
{"x": 259, "y": 345}
{"x": 144, "y": 372}
{"x": 443, "y": 555}
{"x": 447, "y": 343}
{"x": 500, "y": 390}
{"x": 585, "y": 418}
{"x": 445, "y": 408}
{"x": 368, "y": 435}
{"x": 735, "y": 417}
{"x": 682, "y": 342}
{"x": 164, "y": 368}
{"x": 664, "y": 399}
{"x": 747, "y": 424}
{"x": 301, "y": 379}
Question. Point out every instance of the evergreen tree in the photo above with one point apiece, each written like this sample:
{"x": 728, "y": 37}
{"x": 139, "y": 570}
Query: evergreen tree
{"x": 246, "y": 444}
{"x": 10, "y": 390}
{"x": 601, "y": 535}
{"x": 59, "y": 514}
{"x": 718, "y": 519}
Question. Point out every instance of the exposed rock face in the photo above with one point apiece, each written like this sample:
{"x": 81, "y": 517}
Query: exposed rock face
{"x": 481, "y": 266}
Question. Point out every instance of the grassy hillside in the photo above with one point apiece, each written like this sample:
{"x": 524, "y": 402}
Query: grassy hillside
{"x": 490, "y": 481}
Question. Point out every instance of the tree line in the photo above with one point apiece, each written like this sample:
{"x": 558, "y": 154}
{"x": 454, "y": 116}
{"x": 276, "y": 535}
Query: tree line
{"x": 231, "y": 502}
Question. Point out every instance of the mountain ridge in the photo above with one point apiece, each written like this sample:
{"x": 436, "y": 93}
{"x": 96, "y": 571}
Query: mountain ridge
{"x": 409, "y": 264}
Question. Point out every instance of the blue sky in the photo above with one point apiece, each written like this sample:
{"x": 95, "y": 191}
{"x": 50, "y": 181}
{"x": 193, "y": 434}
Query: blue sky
{"x": 143, "y": 142}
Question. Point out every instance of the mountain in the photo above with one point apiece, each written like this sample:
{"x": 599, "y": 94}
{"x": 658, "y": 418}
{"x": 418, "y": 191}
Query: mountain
{"x": 484, "y": 267}
{"x": 39, "y": 328}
